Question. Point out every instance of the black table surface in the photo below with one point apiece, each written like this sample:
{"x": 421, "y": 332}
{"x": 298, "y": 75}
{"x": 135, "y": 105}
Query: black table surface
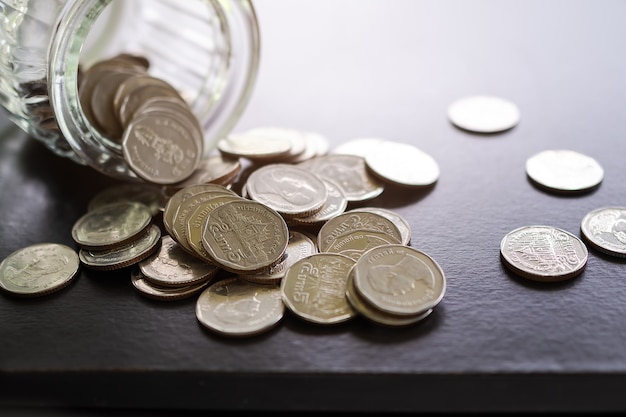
{"x": 353, "y": 69}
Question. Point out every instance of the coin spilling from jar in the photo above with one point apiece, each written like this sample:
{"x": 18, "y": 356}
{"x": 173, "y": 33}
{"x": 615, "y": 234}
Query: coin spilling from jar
{"x": 161, "y": 138}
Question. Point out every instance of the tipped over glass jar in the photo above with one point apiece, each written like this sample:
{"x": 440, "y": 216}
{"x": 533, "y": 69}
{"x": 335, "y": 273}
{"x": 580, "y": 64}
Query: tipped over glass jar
{"x": 208, "y": 50}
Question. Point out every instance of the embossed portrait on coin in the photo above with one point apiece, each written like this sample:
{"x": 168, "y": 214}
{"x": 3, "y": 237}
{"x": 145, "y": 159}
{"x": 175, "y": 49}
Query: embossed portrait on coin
{"x": 40, "y": 266}
{"x": 292, "y": 190}
{"x": 611, "y": 223}
{"x": 401, "y": 278}
{"x": 239, "y": 310}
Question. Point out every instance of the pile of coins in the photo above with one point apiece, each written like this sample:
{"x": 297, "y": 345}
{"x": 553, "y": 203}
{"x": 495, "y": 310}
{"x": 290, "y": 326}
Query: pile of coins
{"x": 161, "y": 138}
{"x": 268, "y": 222}
{"x": 287, "y": 240}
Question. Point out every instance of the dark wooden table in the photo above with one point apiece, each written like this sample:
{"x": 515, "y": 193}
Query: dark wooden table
{"x": 350, "y": 69}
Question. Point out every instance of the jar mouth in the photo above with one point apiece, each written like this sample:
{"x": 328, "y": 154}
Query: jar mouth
{"x": 213, "y": 60}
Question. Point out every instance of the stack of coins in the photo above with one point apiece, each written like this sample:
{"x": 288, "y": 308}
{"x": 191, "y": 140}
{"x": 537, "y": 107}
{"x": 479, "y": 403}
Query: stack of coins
{"x": 161, "y": 139}
{"x": 116, "y": 235}
{"x": 171, "y": 273}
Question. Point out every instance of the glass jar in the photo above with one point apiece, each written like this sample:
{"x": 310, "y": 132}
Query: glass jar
{"x": 207, "y": 49}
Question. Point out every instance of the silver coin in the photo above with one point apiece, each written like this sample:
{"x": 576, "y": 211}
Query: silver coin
{"x": 245, "y": 236}
{"x": 254, "y": 147}
{"x": 402, "y": 164}
{"x": 605, "y": 230}
{"x": 178, "y": 197}
{"x": 234, "y": 307}
{"x": 290, "y": 190}
{"x": 111, "y": 225}
{"x": 336, "y": 204}
{"x": 161, "y": 148}
{"x": 348, "y": 172}
{"x": 171, "y": 266}
{"x": 543, "y": 253}
{"x": 160, "y": 292}
{"x": 296, "y": 137}
{"x": 300, "y": 246}
{"x": 403, "y": 226}
{"x": 484, "y": 114}
{"x": 399, "y": 280}
{"x": 378, "y": 316}
{"x": 123, "y": 256}
{"x": 314, "y": 288}
{"x": 148, "y": 194}
{"x": 38, "y": 269}
{"x": 564, "y": 170}
{"x": 346, "y": 223}
{"x": 359, "y": 146}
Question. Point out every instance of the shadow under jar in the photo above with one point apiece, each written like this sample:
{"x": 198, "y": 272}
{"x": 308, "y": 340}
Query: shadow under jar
{"x": 207, "y": 49}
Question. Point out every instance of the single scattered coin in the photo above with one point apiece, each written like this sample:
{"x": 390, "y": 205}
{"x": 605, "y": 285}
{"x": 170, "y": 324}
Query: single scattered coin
{"x": 289, "y": 189}
{"x": 399, "y": 280}
{"x": 234, "y": 307}
{"x": 605, "y": 230}
{"x": 314, "y": 288}
{"x": 564, "y": 170}
{"x": 38, "y": 269}
{"x": 402, "y": 164}
{"x": 111, "y": 225}
{"x": 484, "y": 114}
{"x": 543, "y": 253}
{"x": 122, "y": 256}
